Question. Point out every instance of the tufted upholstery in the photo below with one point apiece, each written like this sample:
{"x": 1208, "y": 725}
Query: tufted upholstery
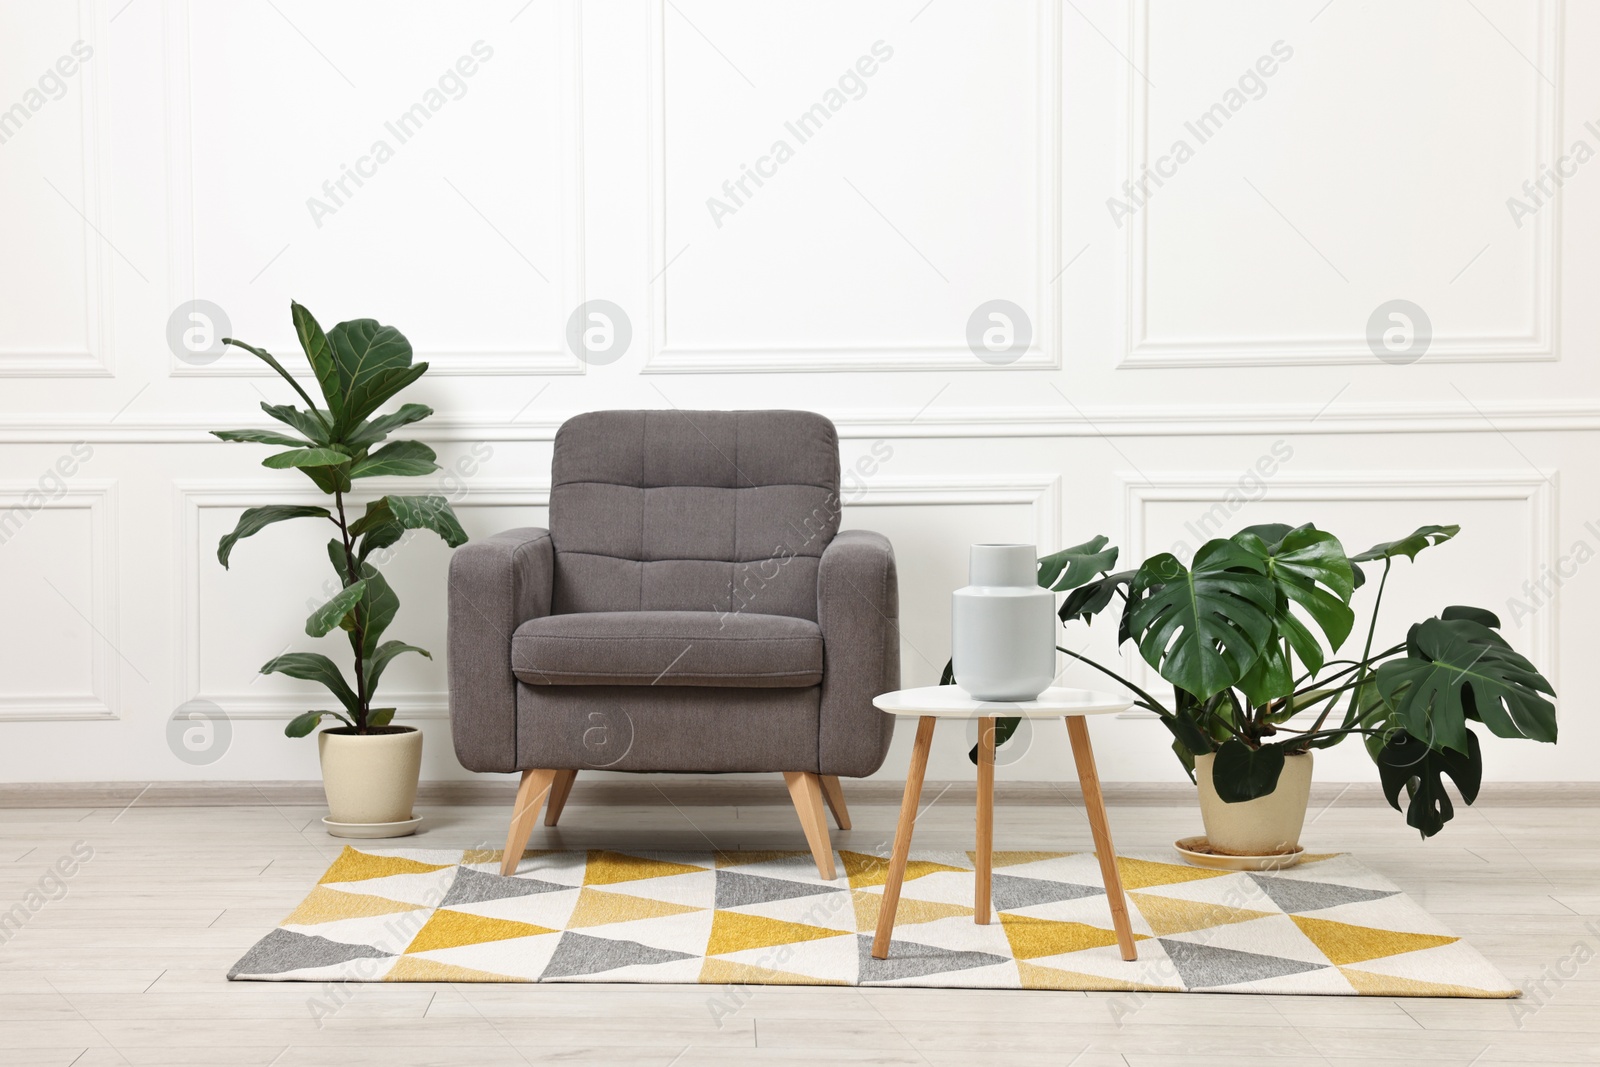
{"x": 725, "y": 511}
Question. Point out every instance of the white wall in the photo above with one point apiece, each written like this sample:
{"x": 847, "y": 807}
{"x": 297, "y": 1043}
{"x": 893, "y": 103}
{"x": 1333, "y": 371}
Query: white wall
{"x": 1175, "y": 342}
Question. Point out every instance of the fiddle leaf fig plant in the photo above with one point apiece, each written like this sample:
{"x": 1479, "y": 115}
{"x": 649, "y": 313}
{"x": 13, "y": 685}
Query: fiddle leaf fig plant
{"x": 359, "y": 366}
{"x": 1246, "y": 635}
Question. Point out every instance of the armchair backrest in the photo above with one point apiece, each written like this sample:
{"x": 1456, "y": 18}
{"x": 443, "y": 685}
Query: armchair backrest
{"x": 669, "y": 510}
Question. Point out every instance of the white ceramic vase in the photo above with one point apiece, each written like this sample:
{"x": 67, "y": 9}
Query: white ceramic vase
{"x": 370, "y": 781}
{"x": 1003, "y": 626}
{"x": 1265, "y": 826}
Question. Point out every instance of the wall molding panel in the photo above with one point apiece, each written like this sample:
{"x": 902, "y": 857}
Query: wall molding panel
{"x": 667, "y": 357}
{"x": 549, "y": 357}
{"x": 94, "y": 359}
{"x": 1541, "y": 344}
{"x": 101, "y": 700}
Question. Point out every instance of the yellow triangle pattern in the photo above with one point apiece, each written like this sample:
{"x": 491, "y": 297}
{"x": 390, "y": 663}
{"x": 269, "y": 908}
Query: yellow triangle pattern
{"x": 1012, "y": 859}
{"x": 908, "y": 913}
{"x": 1169, "y": 915}
{"x": 494, "y": 855}
{"x": 1033, "y": 938}
{"x": 417, "y": 969}
{"x": 608, "y": 868}
{"x": 1143, "y": 874}
{"x": 597, "y": 908}
{"x": 1035, "y": 976}
{"x": 733, "y": 931}
{"x": 354, "y": 866}
{"x": 738, "y": 859}
{"x": 864, "y": 870}
{"x": 1369, "y": 984}
{"x": 1343, "y": 943}
{"x": 326, "y": 905}
{"x": 727, "y": 972}
{"x": 453, "y": 929}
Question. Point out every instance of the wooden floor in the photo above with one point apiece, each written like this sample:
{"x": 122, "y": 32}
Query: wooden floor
{"x": 127, "y": 966}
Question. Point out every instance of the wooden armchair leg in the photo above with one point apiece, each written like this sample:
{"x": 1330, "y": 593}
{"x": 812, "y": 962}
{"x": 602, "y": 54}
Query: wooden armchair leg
{"x": 805, "y": 789}
{"x": 558, "y": 796}
{"x": 530, "y": 796}
{"x": 834, "y": 795}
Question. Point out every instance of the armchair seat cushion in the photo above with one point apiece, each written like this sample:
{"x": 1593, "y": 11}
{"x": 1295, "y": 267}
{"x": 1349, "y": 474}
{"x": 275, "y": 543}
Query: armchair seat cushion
{"x": 705, "y": 648}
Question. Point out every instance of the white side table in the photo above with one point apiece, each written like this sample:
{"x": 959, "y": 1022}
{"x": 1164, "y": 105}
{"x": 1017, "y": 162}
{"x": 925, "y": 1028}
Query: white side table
{"x": 932, "y": 703}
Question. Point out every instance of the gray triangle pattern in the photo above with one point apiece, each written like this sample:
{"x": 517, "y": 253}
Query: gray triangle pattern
{"x": 735, "y": 888}
{"x": 285, "y": 950}
{"x": 474, "y": 887}
{"x": 577, "y": 954}
{"x": 1297, "y": 895}
{"x": 907, "y": 959}
{"x": 1010, "y": 892}
{"x": 1203, "y": 966}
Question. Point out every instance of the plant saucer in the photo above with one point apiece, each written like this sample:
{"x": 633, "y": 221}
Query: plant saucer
{"x": 1197, "y": 851}
{"x": 403, "y": 828}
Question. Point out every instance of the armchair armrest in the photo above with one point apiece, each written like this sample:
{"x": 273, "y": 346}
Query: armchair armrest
{"x": 496, "y": 585}
{"x": 858, "y": 609}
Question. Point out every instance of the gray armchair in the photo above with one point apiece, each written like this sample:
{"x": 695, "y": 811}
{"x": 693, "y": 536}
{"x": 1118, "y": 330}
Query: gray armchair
{"x": 692, "y": 608}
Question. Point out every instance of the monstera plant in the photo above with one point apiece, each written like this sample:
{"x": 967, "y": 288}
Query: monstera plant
{"x": 1247, "y": 633}
{"x": 358, "y": 366}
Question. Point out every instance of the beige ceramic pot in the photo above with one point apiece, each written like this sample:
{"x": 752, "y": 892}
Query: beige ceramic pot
{"x": 1265, "y": 826}
{"x": 371, "y": 779}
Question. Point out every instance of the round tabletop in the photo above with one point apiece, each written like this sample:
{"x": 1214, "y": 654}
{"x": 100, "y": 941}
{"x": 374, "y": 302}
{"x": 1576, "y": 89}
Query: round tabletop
{"x": 952, "y": 702}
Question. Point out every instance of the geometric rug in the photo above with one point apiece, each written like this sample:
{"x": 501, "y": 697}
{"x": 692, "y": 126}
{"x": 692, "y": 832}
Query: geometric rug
{"x": 1327, "y": 926}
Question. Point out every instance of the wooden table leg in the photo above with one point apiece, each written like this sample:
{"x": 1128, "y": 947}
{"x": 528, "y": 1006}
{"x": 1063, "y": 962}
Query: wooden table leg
{"x": 902, "y": 837}
{"x": 982, "y": 883}
{"x": 1094, "y": 803}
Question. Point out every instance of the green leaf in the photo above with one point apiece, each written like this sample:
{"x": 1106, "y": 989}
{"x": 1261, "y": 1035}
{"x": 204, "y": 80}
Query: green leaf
{"x": 380, "y": 716}
{"x": 314, "y": 667}
{"x": 267, "y": 357}
{"x": 1071, "y": 567}
{"x": 1202, "y": 629}
{"x": 1241, "y": 773}
{"x": 370, "y": 433}
{"x": 1308, "y": 568}
{"x": 1271, "y": 534}
{"x": 948, "y": 675}
{"x": 308, "y": 423}
{"x": 1409, "y": 764}
{"x": 1270, "y": 677}
{"x": 1457, "y": 670}
{"x": 301, "y": 725}
{"x": 401, "y": 458}
{"x": 1186, "y": 734}
{"x": 1481, "y": 616}
{"x": 388, "y": 517}
{"x": 374, "y": 363}
{"x": 261, "y": 437}
{"x": 305, "y": 457}
{"x": 1088, "y": 600}
{"x": 319, "y": 354}
{"x": 381, "y": 657}
{"x": 376, "y": 610}
{"x": 254, "y": 520}
{"x": 1418, "y": 540}
{"x": 334, "y": 611}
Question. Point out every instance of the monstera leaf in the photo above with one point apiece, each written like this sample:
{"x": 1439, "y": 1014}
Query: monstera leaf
{"x": 1241, "y": 773}
{"x": 1203, "y": 627}
{"x": 1418, "y": 768}
{"x": 1420, "y": 538}
{"x": 1309, "y": 568}
{"x": 1072, "y": 567}
{"x": 1458, "y": 669}
{"x": 1090, "y": 599}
